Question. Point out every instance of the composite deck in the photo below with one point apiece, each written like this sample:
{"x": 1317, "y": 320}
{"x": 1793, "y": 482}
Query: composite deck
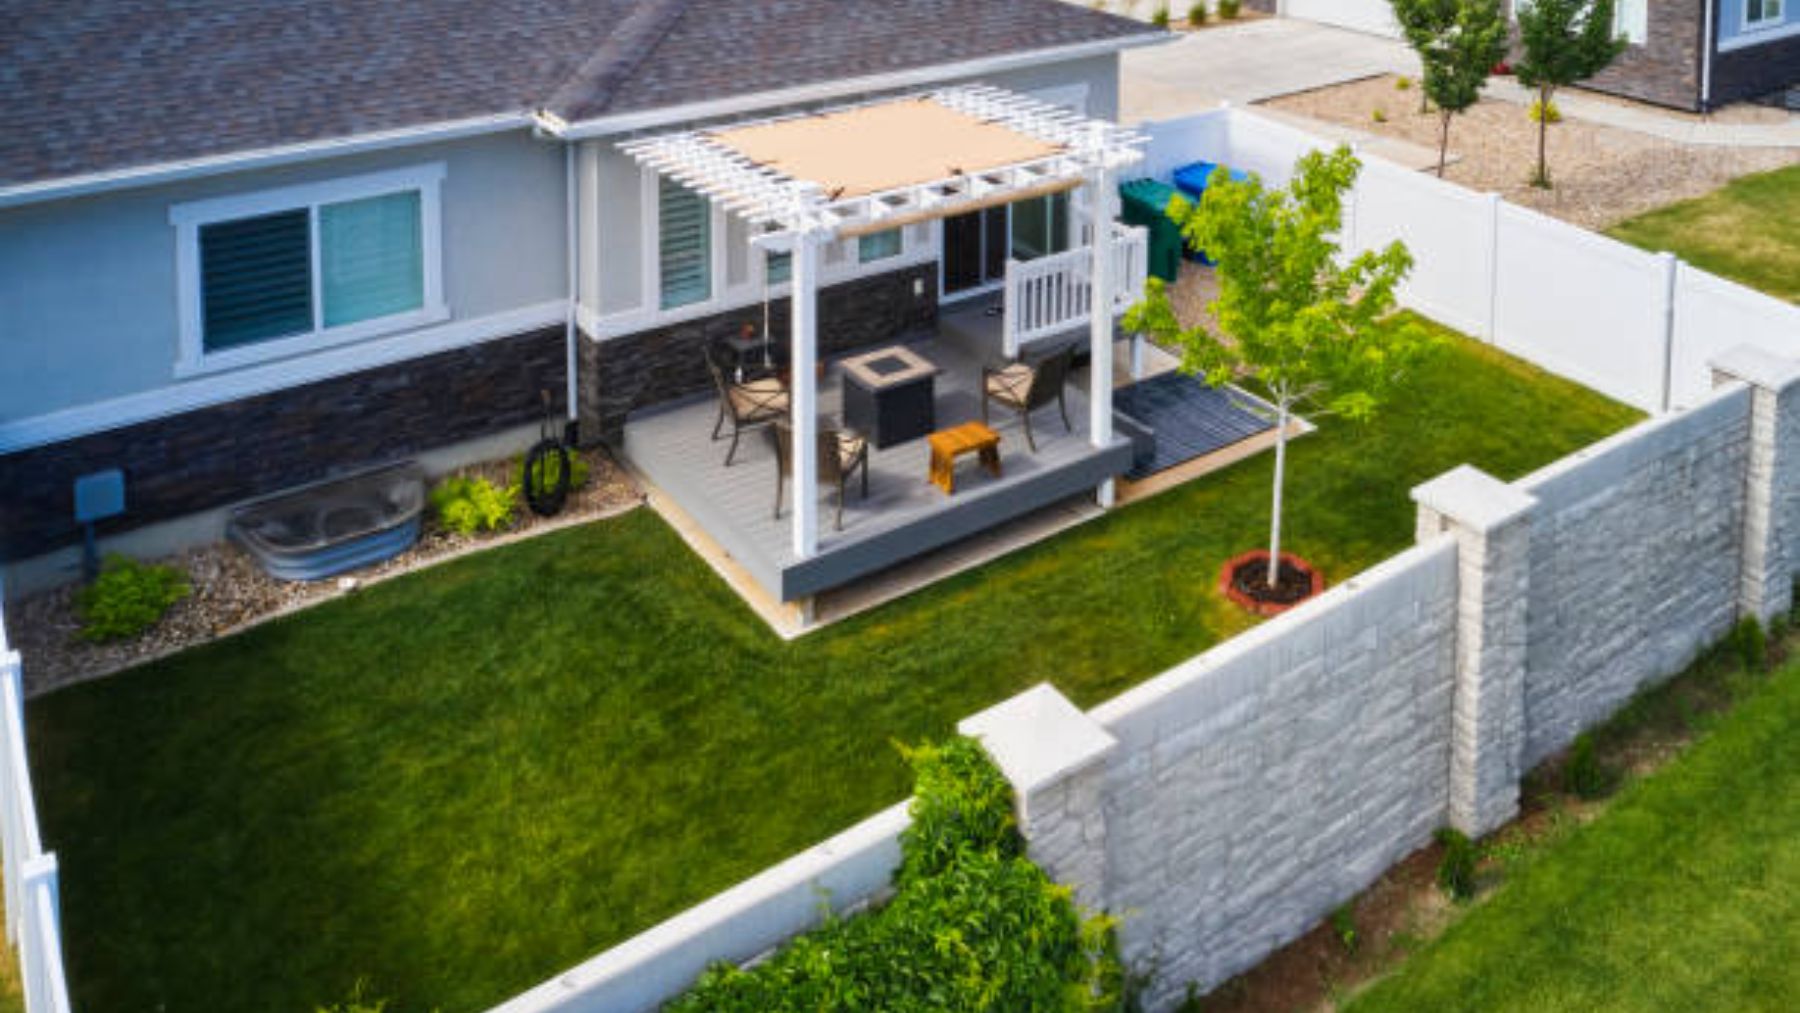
{"x": 903, "y": 515}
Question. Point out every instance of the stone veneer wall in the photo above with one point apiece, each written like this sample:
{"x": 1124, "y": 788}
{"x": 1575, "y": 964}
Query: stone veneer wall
{"x": 1666, "y": 69}
{"x": 623, "y": 374}
{"x": 1634, "y": 564}
{"x": 1755, "y": 71}
{"x": 223, "y": 454}
{"x": 1259, "y": 785}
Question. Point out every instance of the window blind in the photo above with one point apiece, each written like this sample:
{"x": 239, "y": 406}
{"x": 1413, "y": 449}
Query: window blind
{"x": 371, "y": 258}
{"x": 684, "y": 228}
{"x": 256, "y": 279}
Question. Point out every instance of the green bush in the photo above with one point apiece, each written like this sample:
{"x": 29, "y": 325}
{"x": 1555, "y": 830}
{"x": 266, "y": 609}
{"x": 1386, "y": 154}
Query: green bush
{"x": 127, "y": 598}
{"x": 578, "y": 470}
{"x": 1538, "y": 110}
{"x": 1403, "y": 84}
{"x": 1198, "y": 13}
{"x": 1584, "y": 776}
{"x": 1343, "y": 925}
{"x": 1456, "y": 870}
{"x": 467, "y": 505}
{"x": 973, "y": 924}
{"x": 1161, "y": 17}
{"x": 1230, "y": 9}
{"x": 1749, "y": 644}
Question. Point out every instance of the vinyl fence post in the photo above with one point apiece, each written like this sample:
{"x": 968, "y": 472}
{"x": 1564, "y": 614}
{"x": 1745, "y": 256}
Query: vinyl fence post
{"x": 1491, "y": 329}
{"x": 1671, "y": 282}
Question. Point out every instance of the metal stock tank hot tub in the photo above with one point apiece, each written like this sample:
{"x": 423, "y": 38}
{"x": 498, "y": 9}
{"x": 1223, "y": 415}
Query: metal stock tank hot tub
{"x": 323, "y": 529}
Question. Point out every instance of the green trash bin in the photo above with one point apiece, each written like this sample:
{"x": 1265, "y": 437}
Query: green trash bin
{"x": 1145, "y": 202}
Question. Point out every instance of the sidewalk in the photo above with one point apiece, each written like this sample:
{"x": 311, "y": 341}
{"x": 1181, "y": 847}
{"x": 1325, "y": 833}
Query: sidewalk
{"x": 1780, "y": 131}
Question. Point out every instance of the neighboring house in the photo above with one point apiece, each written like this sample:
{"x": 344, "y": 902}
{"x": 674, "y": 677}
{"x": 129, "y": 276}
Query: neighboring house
{"x": 1696, "y": 55}
{"x": 246, "y": 244}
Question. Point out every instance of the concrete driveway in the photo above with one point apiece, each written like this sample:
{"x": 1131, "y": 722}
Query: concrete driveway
{"x": 1248, "y": 62}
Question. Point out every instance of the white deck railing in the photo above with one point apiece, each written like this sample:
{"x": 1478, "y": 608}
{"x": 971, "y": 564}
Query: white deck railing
{"x": 33, "y": 906}
{"x": 1055, "y": 294}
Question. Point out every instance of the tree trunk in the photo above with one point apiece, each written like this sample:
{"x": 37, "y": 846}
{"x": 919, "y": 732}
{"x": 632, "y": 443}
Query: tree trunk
{"x": 1444, "y": 142}
{"x": 1543, "y": 168}
{"x": 1274, "y": 573}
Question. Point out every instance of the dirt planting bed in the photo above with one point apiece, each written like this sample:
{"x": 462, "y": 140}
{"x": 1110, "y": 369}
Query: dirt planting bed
{"x": 1602, "y": 174}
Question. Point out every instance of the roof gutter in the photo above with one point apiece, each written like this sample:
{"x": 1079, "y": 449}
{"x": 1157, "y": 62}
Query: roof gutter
{"x": 259, "y": 158}
{"x": 663, "y": 116}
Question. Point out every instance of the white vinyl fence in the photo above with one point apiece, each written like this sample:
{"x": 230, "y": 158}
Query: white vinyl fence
{"x": 1637, "y": 326}
{"x": 33, "y": 913}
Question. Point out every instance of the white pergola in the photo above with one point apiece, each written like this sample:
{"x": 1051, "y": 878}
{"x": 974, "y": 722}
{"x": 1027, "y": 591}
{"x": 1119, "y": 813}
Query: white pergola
{"x": 811, "y": 178}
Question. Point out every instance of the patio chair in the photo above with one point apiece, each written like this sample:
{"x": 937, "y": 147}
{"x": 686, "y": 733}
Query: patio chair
{"x": 841, "y": 454}
{"x": 748, "y": 403}
{"x": 1025, "y": 388}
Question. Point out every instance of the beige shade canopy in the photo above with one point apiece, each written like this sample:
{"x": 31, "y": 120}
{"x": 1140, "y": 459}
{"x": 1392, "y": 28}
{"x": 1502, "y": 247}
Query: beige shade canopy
{"x": 877, "y": 148}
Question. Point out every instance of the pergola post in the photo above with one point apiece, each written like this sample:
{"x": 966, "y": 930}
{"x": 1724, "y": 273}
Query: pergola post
{"x": 1100, "y": 363}
{"x": 803, "y": 390}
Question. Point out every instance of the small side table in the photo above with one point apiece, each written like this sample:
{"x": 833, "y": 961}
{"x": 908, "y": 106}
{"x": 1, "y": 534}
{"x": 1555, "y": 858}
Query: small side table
{"x": 948, "y": 445}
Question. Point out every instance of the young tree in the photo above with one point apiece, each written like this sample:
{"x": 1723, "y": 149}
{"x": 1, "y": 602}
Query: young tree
{"x": 1458, "y": 42}
{"x": 1307, "y": 326}
{"x": 1563, "y": 41}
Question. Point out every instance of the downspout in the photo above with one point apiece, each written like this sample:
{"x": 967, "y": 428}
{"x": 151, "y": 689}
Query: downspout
{"x": 1707, "y": 44}
{"x": 571, "y": 334}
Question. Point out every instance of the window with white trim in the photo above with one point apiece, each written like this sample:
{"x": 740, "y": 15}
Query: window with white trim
{"x": 684, "y": 244}
{"x": 878, "y": 246}
{"x": 283, "y": 272}
{"x": 1762, "y": 13}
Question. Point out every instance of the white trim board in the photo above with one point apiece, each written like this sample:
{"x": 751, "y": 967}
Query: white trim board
{"x": 204, "y": 392}
{"x": 1750, "y": 38}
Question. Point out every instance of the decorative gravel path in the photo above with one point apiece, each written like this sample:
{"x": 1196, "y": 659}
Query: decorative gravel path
{"x": 231, "y": 593}
{"x": 1603, "y": 175}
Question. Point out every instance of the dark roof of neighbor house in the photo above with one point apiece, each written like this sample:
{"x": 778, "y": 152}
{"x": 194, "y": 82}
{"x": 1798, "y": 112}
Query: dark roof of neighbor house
{"x": 106, "y": 85}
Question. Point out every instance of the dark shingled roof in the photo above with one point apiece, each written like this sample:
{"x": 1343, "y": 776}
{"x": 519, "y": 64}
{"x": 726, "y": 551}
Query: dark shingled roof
{"x": 97, "y": 85}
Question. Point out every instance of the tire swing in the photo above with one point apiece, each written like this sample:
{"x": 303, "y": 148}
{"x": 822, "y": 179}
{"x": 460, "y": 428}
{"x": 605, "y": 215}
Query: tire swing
{"x": 548, "y": 469}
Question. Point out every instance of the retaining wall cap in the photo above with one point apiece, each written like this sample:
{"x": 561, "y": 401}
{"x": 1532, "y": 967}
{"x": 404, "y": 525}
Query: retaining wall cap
{"x": 1038, "y": 737}
{"x": 1474, "y": 498}
{"x": 1758, "y": 367}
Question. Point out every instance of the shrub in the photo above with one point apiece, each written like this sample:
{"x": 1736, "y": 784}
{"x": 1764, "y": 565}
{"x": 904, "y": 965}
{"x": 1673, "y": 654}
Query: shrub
{"x": 467, "y": 505}
{"x": 1538, "y": 109}
{"x": 1379, "y": 115}
{"x": 578, "y": 470}
{"x": 1161, "y": 18}
{"x": 1583, "y": 774}
{"x": 127, "y": 598}
{"x": 1343, "y": 924}
{"x": 1403, "y": 84}
{"x": 1749, "y": 644}
{"x": 1456, "y": 870}
{"x": 973, "y": 924}
{"x": 1197, "y": 13}
{"x": 1230, "y": 9}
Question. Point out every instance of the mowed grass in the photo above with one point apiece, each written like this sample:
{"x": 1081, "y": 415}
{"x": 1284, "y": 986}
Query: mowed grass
{"x": 1749, "y": 231}
{"x": 1681, "y": 896}
{"x": 456, "y": 784}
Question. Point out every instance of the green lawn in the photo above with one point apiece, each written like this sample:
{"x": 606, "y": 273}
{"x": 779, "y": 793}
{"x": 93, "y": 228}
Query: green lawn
{"x": 1681, "y": 896}
{"x": 458, "y": 783}
{"x": 1748, "y": 232}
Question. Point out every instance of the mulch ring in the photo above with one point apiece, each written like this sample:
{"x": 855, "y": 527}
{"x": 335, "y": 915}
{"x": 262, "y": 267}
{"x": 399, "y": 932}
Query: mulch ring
{"x": 231, "y": 593}
{"x": 1244, "y": 580}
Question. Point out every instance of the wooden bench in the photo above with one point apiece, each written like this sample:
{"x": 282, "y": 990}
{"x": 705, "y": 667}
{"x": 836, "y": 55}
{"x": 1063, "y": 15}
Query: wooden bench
{"x": 949, "y": 444}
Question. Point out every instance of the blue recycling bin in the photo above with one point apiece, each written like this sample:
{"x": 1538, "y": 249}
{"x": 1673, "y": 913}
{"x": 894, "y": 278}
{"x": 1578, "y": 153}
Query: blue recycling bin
{"x": 1191, "y": 180}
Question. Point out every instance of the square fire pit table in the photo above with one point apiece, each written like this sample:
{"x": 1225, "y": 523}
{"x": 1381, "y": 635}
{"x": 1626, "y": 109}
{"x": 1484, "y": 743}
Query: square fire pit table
{"x": 889, "y": 395}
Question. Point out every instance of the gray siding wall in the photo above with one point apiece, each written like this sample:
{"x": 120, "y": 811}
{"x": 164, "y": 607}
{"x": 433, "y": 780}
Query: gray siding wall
{"x": 87, "y": 285}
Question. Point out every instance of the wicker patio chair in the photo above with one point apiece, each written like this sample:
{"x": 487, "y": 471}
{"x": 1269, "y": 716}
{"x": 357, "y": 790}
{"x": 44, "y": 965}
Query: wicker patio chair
{"x": 748, "y": 403}
{"x": 1025, "y": 388}
{"x": 841, "y": 454}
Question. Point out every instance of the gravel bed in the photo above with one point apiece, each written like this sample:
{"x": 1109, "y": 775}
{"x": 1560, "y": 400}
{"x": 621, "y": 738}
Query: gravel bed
{"x": 231, "y": 593}
{"x": 1603, "y": 175}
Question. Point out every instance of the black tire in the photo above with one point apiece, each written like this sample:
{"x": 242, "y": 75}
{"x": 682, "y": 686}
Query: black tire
{"x": 544, "y": 497}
